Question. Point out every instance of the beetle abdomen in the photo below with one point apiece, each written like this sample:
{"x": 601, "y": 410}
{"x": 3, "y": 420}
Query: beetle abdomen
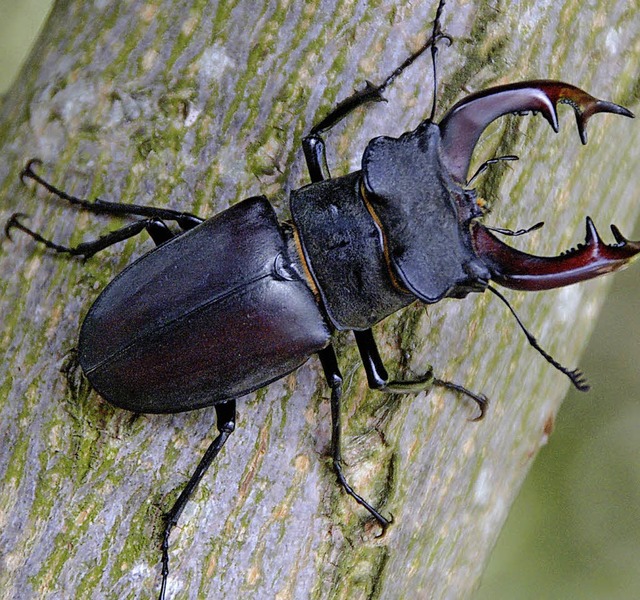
{"x": 211, "y": 315}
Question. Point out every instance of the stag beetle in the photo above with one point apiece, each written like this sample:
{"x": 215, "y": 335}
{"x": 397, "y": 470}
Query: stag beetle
{"x": 236, "y": 302}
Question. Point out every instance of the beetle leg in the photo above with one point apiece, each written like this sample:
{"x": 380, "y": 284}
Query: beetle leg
{"x": 184, "y": 220}
{"x": 378, "y": 378}
{"x": 225, "y": 422}
{"x": 315, "y": 154}
{"x": 334, "y": 379}
{"x": 313, "y": 144}
{"x": 84, "y": 249}
{"x": 159, "y": 232}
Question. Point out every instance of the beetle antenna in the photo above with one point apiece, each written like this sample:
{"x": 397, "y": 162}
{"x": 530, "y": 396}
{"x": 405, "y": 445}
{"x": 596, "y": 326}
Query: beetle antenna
{"x": 517, "y": 232}
{"x": 435, "y": 35}
{"x": 576, "y": 376}
{"x": 485, "y": 165}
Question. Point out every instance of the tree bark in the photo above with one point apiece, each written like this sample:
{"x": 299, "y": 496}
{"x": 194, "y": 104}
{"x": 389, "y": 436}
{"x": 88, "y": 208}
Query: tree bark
{"x": 194, "y": 106}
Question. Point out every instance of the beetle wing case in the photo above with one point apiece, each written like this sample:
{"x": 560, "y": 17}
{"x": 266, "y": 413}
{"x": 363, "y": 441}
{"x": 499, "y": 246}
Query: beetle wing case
{"x": 213, "y": 314}
{"x": 413, "y": 197}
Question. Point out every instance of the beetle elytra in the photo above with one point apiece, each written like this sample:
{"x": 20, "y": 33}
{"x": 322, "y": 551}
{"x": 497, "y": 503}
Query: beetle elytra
{"x": 179, "y": 329}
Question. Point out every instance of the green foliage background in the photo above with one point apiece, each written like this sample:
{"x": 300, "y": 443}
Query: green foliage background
{"x": 575, "y": 530}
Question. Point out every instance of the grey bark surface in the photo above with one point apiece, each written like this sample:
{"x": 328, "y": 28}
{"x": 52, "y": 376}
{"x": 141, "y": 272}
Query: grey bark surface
{"x": 196, "y": 105}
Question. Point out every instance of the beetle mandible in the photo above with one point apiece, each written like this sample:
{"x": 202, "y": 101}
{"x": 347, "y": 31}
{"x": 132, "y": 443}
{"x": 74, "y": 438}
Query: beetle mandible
{"x": 406, "y": 227}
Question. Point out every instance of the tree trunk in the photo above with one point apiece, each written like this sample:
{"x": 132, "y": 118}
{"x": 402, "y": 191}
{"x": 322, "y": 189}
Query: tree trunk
{"x": 196, "y": 105}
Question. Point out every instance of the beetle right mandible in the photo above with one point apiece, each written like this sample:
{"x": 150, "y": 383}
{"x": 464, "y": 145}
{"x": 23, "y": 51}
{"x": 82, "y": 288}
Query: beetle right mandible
{"x": 179, "y": 329}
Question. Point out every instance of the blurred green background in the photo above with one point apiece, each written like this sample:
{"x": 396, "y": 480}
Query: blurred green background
{"x": 574, "y": 531}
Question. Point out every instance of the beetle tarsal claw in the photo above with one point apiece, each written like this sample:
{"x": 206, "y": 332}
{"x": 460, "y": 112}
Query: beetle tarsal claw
{"x": 14, "y": 223}
{"x": 480, "y": 399}
{"x": 384, "y": 527}
{"x": 28, "y": 169}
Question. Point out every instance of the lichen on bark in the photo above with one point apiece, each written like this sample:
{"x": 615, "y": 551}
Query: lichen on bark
{"x": 196, "y": 105}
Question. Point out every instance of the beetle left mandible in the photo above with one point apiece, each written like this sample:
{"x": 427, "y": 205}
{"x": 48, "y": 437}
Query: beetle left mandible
{"x": 182, "y": 329}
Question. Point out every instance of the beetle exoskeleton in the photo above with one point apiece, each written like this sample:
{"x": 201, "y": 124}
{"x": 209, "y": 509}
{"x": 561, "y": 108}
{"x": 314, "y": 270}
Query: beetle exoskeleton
{"x": 152, "y": 340}
{"x": 235, "y": 302}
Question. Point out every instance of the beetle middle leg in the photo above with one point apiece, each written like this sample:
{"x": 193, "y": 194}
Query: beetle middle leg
{"x": 378, "y": 377}
{"x": 334, "y": 379}
{"x": 153, "y": 223}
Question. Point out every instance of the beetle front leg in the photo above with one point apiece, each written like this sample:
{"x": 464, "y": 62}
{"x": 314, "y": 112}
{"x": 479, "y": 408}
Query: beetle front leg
{"x": 334, "y": 379}
{"x": 378, "y": 378}
{"x": 225, "y": 422}
{"x": 313, "y": 143}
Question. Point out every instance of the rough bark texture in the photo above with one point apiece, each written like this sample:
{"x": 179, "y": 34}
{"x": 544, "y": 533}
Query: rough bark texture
{"x": 195, "y": 105}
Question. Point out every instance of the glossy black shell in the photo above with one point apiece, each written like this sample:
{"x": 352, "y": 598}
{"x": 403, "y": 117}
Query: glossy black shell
{"x": 211, "y": 315}
{"x": 343, "y": 248}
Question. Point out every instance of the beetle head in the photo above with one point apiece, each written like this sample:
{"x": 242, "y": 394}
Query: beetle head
{"x": 461, "y": 129}
{"x": 423, "y": 215}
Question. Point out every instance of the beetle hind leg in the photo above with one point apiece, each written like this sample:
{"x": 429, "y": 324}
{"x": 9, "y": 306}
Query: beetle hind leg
{"x": 152, "y": 222}
{"x": 378, "y": 378}
{"x": 84, "y": 249}
{"x": 334, "y": 379}
{"x": 225, "y": 422}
